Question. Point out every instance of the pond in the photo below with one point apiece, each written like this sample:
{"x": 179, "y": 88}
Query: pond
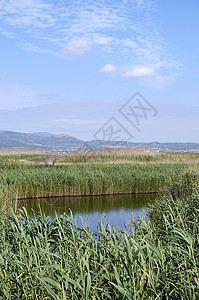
{"x": 116, "y": 210}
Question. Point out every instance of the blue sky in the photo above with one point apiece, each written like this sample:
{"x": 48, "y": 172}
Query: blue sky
{"x": 69, "y": 66}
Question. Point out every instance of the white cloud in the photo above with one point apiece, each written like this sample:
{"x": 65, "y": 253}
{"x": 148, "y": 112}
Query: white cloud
{"x": 132, "y": 73}
{"x": 160, "y": 81}
{"x": 139, "y": 72}
{"x": 77, "y": 47}
{"x": 33, "y": 48}
{"x": 146, "y": 76}
{"x": 6, "y": 33}
{"x": 103, "y": 40}
{"x": 31, "y": 13}
{"x": 127, "y": 31}
{"x": 109, "y": 69}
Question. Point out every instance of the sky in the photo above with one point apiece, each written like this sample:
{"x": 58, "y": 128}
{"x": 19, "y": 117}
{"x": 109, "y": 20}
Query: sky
{"x": 101, "y": 69}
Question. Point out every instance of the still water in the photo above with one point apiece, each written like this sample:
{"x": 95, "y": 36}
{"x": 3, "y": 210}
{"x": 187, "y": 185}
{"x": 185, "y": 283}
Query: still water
{"x": 116, "y": 210}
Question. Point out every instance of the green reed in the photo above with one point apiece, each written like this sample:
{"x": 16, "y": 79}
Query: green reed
{"x": 91, "y": 179}
{"x": 99, "y": 156}
{"x": 157, "y": 258}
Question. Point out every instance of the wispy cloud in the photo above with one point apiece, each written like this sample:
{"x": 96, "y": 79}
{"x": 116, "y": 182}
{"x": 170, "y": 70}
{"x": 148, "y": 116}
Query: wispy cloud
{"x": 24, "y": 13}
{"x": 146, "y": 76}
{"x": 126, "y": 32}
{"x": 109, "y": 69}
{"x": 160, "y": 80}
{"x": 131, "y": 73}
{"x": 140, "y": 72}
{"x": 77, "y": 47}
{"x": 14, "y": 96}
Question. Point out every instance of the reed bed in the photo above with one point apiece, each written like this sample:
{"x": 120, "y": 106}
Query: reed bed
{"x": 34, "y": 181}
{"x": 55, "y": 258}
{"x": 101, "y": 156}
{"x": 156, "y": 258}
{"x": 34, "y": 177}
{"x": 127, "y": 155}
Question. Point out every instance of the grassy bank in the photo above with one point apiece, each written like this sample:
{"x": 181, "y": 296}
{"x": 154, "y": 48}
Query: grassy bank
{"x": 157, "y": 258}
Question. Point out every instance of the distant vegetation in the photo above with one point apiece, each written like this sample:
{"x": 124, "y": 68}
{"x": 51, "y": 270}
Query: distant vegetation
{"x": 101, "y": 156}
{"x": 95, "y": 173}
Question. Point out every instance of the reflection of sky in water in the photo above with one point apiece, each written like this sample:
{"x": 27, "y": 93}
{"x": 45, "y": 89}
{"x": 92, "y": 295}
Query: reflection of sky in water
{"x": 115, "y": 210}
{"x": 119, "y": 218}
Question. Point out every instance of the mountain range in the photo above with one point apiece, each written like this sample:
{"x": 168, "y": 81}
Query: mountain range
{"x": 64, "y": 142}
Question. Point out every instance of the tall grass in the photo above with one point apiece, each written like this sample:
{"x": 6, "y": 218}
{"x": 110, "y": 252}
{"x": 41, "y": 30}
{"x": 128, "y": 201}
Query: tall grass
{"x": 34, "y": 179}
{"x": 90, "y": 179}
{"x": 101, "y": 156}
{"x": 128, "y": 155}
{"x": 43, "y": 258}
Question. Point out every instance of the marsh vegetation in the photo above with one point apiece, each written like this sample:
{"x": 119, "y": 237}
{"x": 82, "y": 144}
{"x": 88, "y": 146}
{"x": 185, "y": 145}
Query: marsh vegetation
{"x": 56, "y": 258}
{"x": 94, "y": 172}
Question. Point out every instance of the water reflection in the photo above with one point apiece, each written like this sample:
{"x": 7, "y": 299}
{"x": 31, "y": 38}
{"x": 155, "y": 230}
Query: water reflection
{"x": 112, "y": 209}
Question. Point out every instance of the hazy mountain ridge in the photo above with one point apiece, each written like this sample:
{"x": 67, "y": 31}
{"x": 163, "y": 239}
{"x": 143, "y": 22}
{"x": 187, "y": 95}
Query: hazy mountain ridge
{"x": 64, "y": 142}
{"x": 10, "y": 139}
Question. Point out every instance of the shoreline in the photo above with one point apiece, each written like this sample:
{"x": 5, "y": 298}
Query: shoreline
{"x": 91, "y": 195}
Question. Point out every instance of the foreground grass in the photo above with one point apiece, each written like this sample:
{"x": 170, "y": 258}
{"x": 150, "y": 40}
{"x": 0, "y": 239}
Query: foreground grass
{"x": 157, "y": 258}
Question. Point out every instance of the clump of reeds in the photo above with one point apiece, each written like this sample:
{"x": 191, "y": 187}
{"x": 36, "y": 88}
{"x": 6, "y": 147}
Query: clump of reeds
{"x": 182, "y": 185}
{"x": 44, "y": 258}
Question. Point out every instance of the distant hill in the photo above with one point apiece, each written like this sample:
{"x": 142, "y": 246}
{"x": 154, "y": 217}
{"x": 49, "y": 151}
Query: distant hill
{"x": 151, "y": 146}
{"x": 64, "y": 142}
{"x": 41, "y": 140}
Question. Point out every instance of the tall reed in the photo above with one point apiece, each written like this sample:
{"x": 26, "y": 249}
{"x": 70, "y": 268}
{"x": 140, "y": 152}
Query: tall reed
{"x": 91, "y": 179}
{"x": 43, "y": 258}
